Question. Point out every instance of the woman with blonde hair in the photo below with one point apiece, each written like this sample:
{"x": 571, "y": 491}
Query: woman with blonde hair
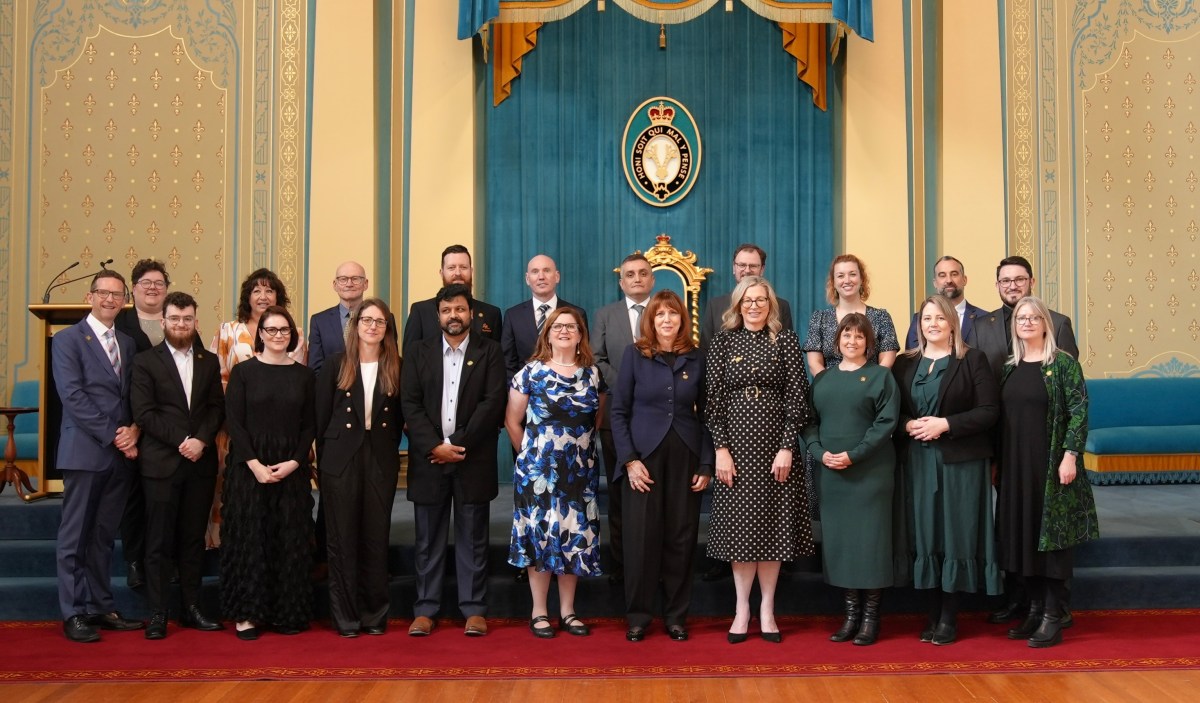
{"x": 949, "y": 403}
{"x": 757, "y": 407}
{"x": 847, "y": 289}
{"x": 1044, "y": 507}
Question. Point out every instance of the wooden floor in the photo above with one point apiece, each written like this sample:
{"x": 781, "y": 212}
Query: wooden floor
{"x": 1098, "y": 687}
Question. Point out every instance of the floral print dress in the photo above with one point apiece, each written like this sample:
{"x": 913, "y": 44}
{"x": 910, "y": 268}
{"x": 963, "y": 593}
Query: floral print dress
{"x": 556, "y": 521}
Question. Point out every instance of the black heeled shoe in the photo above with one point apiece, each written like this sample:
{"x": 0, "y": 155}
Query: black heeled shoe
{"x": 853, "y": 617}
{"x": 248, "y": 635}
{"x": 635, "y": 634}
{"x": 944, "y": 634}
{"x": 544, "y": 633}
{"x": 736, "y": 637}
{"x": 773, "y": 637}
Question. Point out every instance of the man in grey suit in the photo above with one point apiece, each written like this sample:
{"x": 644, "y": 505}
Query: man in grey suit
{"x": 616, "y": 328}
{"x": 748, "y": 260}
{"x": 993, "y": 331}
{"x": 92, "y": 365}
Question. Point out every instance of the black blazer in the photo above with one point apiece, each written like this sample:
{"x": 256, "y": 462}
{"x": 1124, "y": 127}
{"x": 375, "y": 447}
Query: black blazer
{"x": 341, "y": 426}
{"x": 520, "y": 333}
{"x": 422, "y": 322}
{"x": 482, "y": 395}
{"x": 968, "y": 397}
{"x": 128, "y": 322}
{"x": 161, "y": 410}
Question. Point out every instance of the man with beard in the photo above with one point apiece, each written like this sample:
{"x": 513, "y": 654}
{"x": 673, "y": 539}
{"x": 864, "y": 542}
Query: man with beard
{"x": 422, "y": 322}
{"x": 950, "y": 282}
{"x": 453, "y": 394}
{"x": 178, "y": 403}
{"x": 748, "y": 260}
{"x": 993, "y": 331}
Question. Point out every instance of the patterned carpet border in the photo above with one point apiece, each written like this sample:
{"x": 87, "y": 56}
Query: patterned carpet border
{"x": 1078, "y": 653}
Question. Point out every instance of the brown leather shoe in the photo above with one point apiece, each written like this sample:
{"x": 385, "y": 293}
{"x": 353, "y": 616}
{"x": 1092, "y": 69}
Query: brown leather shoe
{"x": 420, "y": 627}
{"x": 476, "y": 626}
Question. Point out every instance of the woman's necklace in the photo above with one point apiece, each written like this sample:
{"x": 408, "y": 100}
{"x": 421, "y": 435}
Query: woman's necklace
{"x": 562, "y": 365}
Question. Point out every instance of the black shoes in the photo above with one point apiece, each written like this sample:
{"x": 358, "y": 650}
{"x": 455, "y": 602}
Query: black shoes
{"x": 678, "y": 633}
{"x": 853, "y": 617}
{"x": 544, "y": 633}
{"x": 574, "y": 626}
{"x": 193, "y": 618}
{"x": 114, "y": 621}
{"x": 635, "y": 633}
{"x": 348, "y": 634}
{"x": 944, "y": 634}
{"x": 1048, "y": 633}
{"x": 773, "y": 637}
{"x": 868, "y": 632}
{"x": 1032, "y": 619}
{"x": 248, "y": 635}
{"x": 736, "y": 637}
{"x": 157, "y": 628}
{"x": 1011, "y": 611}
{"x": 135, "y": 577}
{"x": 77, "y": 629}
{"x": 375, "y": 630}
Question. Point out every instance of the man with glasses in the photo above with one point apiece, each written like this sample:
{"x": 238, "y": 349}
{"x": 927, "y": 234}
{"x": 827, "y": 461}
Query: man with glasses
{"x": 92, "y": 366}
{"x": 748, "y": 260}
{"x": 178, "y": 402}
{"x": 993, "y": 332}
{"x": 327, "y": 329}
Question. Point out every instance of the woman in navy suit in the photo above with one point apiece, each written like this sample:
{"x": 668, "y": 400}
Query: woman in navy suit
{"x": 359, "y": 421}
{"x": 666, "y": 455}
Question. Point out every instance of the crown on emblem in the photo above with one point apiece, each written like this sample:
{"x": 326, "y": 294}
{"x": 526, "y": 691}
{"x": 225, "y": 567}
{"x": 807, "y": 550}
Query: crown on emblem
{"x": 661, "y": 113}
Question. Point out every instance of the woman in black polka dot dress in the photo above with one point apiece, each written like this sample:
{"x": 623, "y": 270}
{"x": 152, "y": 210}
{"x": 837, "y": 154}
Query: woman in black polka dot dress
{"x": 757, "y": 406}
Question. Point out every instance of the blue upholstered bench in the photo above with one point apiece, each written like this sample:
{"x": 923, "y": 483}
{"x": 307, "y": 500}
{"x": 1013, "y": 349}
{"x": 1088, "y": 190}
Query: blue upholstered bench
{"x": 1143, "y": 430}
{"x": 25, "y": 395}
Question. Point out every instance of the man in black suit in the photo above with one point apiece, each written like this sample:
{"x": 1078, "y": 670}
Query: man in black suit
{"x": 423, "y": 323}
{"x": 92, "y": 367}
{"x": 523, "y": 321}
{"x": 993, "y": 332}
{"x": 178, "y": 403}
{"x": 453, "y": 395}
{"x": 748, "y": 260}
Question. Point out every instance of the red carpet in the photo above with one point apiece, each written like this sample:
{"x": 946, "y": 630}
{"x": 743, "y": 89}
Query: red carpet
{"x": 1100, "y": 641}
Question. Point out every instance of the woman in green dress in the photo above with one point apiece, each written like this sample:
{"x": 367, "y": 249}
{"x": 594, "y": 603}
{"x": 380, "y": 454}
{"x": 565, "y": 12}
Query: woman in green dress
{"x": 857, "y": 404}
{"x": 950, "y": 402}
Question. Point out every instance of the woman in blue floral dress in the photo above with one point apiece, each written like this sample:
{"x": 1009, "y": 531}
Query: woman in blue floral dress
{"x": 556, "y": 522}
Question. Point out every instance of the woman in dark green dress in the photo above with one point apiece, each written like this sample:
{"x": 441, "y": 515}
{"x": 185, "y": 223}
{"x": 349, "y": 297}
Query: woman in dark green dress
{"x": 1044, "y": 507}
{"x": 950, "y": 403}
{"x": 857, "y": 404}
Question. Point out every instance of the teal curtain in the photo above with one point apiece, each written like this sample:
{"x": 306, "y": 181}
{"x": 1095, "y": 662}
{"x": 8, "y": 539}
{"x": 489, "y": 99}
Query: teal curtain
{"x": 473, "y": 14}
{"x": 554, "y": 178}
{"x": 857, "y": 15}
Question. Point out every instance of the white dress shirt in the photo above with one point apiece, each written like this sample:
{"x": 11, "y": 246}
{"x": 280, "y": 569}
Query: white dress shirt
{"x": 452, "y": 366}
{"x": 183, "y": 362}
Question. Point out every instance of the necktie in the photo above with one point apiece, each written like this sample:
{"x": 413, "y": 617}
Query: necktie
{"x": 346, "y": 323}
{"x": 637, "y": 321}
{"x": 541, "y": 321}
{"x": 114, "y": 355}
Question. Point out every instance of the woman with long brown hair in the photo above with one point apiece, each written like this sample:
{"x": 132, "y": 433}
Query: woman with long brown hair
{"x": 666, "y": 455}
{"x": 358, "y": 413}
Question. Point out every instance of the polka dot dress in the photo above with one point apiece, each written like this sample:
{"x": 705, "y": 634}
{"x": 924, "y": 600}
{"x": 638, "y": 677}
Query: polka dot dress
{"x": 757, "y": 405}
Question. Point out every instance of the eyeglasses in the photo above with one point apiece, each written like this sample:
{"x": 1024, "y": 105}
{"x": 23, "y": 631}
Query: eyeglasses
{"x": 746, "y": 267}
{"x": 1028, "y": 319}
{"x": 348, "y": 280}
{"x": 1010, "y": 282}
{"x": 178, "y": 320}
{"x": 372, "y": 322}
{"x": 277, "y": 331}
{"x": 568, "y": 326}
{"x": 107, "y": 294}
{"x": 755, "y": 302}
{"x": 148, "y": 284}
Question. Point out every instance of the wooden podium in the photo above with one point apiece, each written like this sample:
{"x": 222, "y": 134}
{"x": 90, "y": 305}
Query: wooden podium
{"x": 52, "y": 318}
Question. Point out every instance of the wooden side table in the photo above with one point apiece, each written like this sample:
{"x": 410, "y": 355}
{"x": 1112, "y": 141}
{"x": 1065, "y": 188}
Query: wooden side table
{"x": 12, "y": 473}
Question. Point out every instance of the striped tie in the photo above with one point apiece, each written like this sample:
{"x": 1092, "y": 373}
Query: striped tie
{"x": 541, "y": 321}
{"x": 114, "y": 355}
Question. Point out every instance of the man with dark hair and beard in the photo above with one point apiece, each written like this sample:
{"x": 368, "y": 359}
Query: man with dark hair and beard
{"x": 453, "y": 394}
{"x": 950, "y": 282}
{"x": 178, "y": 403}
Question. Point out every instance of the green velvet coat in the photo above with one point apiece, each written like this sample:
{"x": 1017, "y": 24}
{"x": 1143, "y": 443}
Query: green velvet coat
{"x": 1068, "y": 512}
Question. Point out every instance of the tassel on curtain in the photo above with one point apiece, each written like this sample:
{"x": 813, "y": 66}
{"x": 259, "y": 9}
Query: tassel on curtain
{"x": 510, "y": 42}
{"x": 806, "y": 42}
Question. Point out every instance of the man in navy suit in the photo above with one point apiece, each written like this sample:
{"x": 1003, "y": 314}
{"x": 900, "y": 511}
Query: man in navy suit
{"x": 422, "y": 322}
{"x": 523, "y": 321}
{"x": 327, "y": 329}
{"x": 748, "y": 260}
{"x": 950, "y": 282}
{"x": 92, "y": 365}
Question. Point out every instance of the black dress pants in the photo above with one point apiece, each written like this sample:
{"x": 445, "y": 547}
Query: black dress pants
{"x": 176, "y": 517}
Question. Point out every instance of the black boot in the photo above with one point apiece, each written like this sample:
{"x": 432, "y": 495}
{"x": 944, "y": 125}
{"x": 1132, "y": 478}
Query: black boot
{"x": 947, "y": 627}
{"x": 853, "y": 615}
{"x": 1032, "y": 619}
{"x": 935, "y": 613}
{"x": 1048, "y": 633}
{"x": 869, "y": 632}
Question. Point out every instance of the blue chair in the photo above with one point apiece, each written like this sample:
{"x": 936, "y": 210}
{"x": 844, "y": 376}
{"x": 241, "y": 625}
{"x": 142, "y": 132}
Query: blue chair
{"x": 25, "y": 394}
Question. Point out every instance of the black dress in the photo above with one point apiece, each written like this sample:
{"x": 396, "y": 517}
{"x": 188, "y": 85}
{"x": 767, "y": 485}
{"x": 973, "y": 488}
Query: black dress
{"x": 1025, "y": 445}
{"x": 266, "y": 528}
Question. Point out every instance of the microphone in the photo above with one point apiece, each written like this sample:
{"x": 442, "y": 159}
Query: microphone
{"x": 53, "y": 285}
{"x": 104, "y": 264}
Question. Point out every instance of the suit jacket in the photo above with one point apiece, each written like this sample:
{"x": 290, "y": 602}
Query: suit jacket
{"x": 969, "y": 399}
{"x": 710, "y": 323}
{"x": 520, "y": 333}
{"x": 341, "y": 425}
{"x": 650, "y": 398}
{"x": 991, "y": 338}
{"x": 968, "y": 326}
{"x": 161, "y": 409}
{"x": 609, "y": 338}
{"x": 128, "y": 322}
{"x": 422, "y": 322}
{"x": 482, "y": 396}
{"x": 95, "y": 402}
{"x": 326, "y": 336}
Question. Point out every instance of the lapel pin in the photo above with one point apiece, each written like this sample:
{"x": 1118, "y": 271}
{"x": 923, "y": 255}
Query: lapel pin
{"x": 470, "y": 363}
{"x": 863, "y": 379}
{"x": 685, "y": 376}
{"x": 88, "y": 337}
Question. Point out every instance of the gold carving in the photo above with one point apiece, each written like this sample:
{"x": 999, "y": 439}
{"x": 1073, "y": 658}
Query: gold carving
{"x": 66, "y": 127}
{"x": 1173, "y": 304}
{"x": 174, "y": 206}
{"x": 133, "y": 103}
{"x": 110, "y": 179}
{"x": 90, "y": 52}
{"x": 1130, "y": 306}
{"x": 1131, "y": 354}
{"x": 132, "y": 205}
{"x": 156, "y": 78}
{"x": 88, "y": 154}
{"x": 1172, "y": 254}
{"x": 134, "y": 53}
{"x": 1109, "y": 329}
{"x": 131, "y": 257}
{"x": 153, "y": 231}
{"x": 154, "y": 128}
{"x": 174, "y": 257}
{"x": 197, "y": 231}
{"x": 90, "y": 103}
{"x": 198, "y": 181}
{"x": 1151, "y": 279}
{"x": 1148, "y": 130}
{"x": 64, "y": 230}
{"x": 176, "y": 155}
{"x": 110, "y": 129}
{"x": 153, "y": 179}
{"x": 198, "y": 130}
{"x": 1129, "y": 255}
{"x": 1109, "y": 279}
{"x": 177, "y": 104}
{"x": 1150, "y": 229}
{"x": 109, "y": 230}
{"x": 111, "y": 78}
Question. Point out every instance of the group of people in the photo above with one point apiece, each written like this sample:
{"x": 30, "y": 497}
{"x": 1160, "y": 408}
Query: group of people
{"x": 902, "y": 449}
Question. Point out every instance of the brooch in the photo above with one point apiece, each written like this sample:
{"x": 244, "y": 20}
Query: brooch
{"x": 1049, "y": 374}
{"x": 863, "y": 379}
{"x": 736, "y": 359}
{"x": 470, "y": 363}
{"x": 685, "y": 376}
